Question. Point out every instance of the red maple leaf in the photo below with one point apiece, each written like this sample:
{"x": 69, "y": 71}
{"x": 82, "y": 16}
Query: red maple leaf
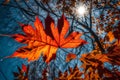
{"x": 70, "y": 57}
{"x": 46, "y": 40}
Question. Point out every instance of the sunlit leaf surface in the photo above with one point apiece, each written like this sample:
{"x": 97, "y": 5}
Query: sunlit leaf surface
{"x": 46, "y": 41}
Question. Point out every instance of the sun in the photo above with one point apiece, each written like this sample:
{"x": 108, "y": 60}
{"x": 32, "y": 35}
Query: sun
{"x": 81, "y": 10}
